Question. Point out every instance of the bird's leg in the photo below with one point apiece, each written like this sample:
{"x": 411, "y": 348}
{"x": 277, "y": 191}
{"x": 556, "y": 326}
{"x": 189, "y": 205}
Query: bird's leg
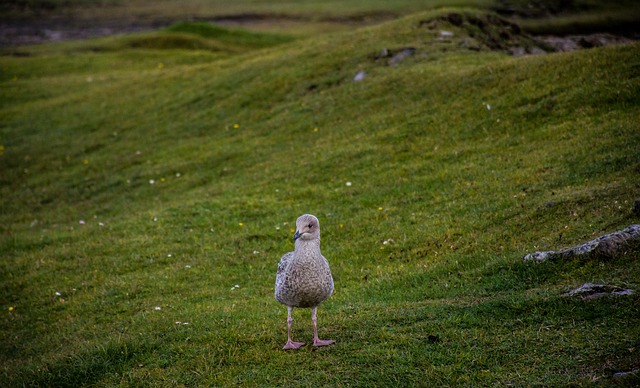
{"x": 317, "y": 341}
{"x": 290, "y": 344}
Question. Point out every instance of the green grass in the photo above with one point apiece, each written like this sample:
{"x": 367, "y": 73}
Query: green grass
{"x": 240, "y": 137}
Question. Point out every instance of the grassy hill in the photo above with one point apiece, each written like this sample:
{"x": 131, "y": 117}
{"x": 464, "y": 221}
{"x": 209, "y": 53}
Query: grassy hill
{"x": 150, "y": 184}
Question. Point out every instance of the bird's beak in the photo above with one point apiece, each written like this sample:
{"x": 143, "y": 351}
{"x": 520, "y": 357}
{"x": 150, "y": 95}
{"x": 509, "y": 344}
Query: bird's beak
{"x": 297, "y": 235}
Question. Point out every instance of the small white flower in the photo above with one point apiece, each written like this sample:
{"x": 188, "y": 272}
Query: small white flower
{"x": 81, "y": 222}
{"x": 178, "y": 322}
{"x": 169, "y": 255}
{"x": 255, "y": 252}
{"x": 348, "y": 184}
{"x": 185, "y": 323}
{"x": 152, "y": 182}
{"x": 155, "y": 219}
{"x": 177, "y": 175}
{"x": 101, "y": 223}
{"x": 187, "y": 266}
{"x": 158, "y": 308}
{"x": 58, "y": 293}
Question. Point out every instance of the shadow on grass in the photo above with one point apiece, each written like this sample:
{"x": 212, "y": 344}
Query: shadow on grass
{"x": 86, "y": 367}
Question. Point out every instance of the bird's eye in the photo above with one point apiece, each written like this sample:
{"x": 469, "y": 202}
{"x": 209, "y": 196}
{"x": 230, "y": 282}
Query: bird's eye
{"x": 310, "y": 226}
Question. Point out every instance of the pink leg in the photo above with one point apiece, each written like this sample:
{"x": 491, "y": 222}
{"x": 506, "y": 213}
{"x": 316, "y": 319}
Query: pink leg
{"x": 317, "y": 341}
{"x": 290, "y": 344}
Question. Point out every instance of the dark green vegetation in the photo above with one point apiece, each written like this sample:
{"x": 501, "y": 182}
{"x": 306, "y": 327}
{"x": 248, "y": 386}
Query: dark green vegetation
{"x": 573, "y": 16}
{"x": 141, "y": 182}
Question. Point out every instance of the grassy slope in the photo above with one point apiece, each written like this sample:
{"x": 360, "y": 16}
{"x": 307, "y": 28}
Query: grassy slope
{"x": 229, "y": 141}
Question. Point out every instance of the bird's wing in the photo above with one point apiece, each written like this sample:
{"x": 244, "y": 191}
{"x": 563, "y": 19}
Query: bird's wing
{"x": 284, "y": 263}
{"x": 325, "y": 260}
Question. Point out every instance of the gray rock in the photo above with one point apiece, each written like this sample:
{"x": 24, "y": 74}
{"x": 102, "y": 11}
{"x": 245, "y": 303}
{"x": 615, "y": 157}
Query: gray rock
{"x": 536, "y": 51}
{"x": 401, "y": 56}
{"x": 360, "y": 76}
{"x": 608, "y": 246}
{"x": 591, "y": 290}
{"x": 632, "y": 373}
{"x": 518, "y": 51}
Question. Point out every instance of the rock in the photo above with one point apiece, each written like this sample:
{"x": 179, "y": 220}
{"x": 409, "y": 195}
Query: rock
{"x": 360, "y": 76}
{"x": 518, "y": 51}
{"x": 401, "y": 56}
{"x": 607, "y": 246}
{"x": 560, "y": 43}
{"x": 576, "y": 42}
{"x": 536, "y": 51}
{"x": 591, "y": 290}
{"x": 632, "y": 373}
{"x": 521, "y": 51}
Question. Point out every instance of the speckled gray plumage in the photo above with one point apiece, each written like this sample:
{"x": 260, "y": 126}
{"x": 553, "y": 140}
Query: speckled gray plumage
{"x": 303, "y": 278}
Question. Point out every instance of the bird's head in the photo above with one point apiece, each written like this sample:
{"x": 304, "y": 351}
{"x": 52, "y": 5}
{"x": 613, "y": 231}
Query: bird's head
{"x": 307, "y": 228}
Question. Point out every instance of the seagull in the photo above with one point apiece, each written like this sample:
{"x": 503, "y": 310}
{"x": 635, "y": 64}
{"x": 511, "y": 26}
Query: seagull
{"x": 304, "y": 278}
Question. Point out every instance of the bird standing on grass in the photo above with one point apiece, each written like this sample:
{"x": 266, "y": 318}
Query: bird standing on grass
{"x": 304, "y": 278}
